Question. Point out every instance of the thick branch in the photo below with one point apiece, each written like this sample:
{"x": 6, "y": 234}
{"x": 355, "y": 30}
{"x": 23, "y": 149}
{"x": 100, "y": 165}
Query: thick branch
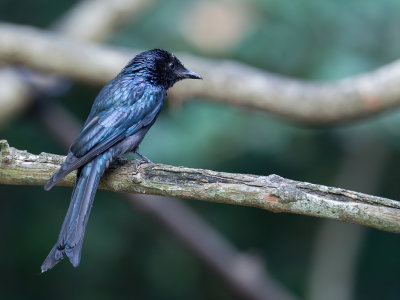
{"x": 272, "y": 192}
{"x": 226, "y": 81}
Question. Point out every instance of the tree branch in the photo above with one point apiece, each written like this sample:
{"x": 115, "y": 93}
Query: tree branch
{"x": 98, "y": 18}
{"x": 271, "y": 192}
{"x": 225, "y": 81}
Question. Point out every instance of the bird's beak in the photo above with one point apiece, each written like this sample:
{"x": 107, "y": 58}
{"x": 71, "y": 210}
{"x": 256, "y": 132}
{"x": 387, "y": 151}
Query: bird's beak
{"x": 185, "y": 73}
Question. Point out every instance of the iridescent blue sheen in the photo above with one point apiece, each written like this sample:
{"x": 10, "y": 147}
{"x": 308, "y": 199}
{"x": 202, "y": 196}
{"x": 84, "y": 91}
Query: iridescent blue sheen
{"x": 120, "y": 117}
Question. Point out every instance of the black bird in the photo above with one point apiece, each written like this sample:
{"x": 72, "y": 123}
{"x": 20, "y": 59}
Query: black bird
{"x": 120, "y": 117}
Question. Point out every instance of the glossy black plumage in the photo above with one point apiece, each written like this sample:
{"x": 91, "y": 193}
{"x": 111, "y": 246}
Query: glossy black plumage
{"x": 120, "y": 117}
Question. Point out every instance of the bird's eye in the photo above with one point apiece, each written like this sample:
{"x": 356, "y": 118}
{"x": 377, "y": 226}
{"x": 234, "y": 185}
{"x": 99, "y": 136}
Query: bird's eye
{"x": 171, "y": 65}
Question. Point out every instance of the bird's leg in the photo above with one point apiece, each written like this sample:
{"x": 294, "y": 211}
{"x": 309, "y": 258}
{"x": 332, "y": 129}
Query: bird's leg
{"x": 143, "y": 159}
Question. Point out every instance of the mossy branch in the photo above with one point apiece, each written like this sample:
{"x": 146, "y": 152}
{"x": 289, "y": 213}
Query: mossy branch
{"x": 272, "y": 192}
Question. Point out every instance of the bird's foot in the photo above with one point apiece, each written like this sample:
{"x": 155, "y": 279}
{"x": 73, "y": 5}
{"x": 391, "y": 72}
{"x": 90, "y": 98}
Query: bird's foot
{"x": 143, "y": 160}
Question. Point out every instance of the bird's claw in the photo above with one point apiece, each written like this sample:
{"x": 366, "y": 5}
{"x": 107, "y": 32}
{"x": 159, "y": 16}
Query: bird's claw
{"x": 140, "y": 162}
{"x": 143, "y": 160}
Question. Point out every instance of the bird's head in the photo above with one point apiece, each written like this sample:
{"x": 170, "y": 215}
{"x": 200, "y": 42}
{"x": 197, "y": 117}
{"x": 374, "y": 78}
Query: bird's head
{"x": 160, "y": 67}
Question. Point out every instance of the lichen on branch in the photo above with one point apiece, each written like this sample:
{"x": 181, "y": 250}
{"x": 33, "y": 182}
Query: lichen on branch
{"x": 272, "y": 192}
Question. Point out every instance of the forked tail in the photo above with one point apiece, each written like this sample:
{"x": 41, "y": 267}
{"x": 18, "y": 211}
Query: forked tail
{"x": 70, "y": 239}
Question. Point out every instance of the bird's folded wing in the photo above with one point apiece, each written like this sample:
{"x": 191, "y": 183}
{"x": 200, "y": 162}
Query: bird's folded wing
{"x": 108, "y": 127}
{"x": 104, "y": 130}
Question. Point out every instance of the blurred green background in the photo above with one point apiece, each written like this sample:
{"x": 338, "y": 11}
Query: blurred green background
{"x": 128, "y": 255}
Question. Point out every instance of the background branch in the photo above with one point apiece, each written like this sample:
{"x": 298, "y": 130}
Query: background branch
{"x": 244, "y": 272}
{"x": 272, "y": 192}
{"x": 13, "y": 94}
{"x": 98, "y": 18}
{"x": 225, "y": 81}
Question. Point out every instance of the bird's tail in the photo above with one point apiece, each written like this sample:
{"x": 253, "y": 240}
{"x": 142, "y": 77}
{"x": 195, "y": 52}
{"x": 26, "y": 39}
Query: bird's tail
{"x": 70, "y": 239}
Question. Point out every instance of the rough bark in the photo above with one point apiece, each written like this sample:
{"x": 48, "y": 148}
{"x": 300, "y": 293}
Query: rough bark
{"x": 272, "y": 192}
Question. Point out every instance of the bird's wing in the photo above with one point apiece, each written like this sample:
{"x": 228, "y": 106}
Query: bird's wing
{"x": 106, "y": 129}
